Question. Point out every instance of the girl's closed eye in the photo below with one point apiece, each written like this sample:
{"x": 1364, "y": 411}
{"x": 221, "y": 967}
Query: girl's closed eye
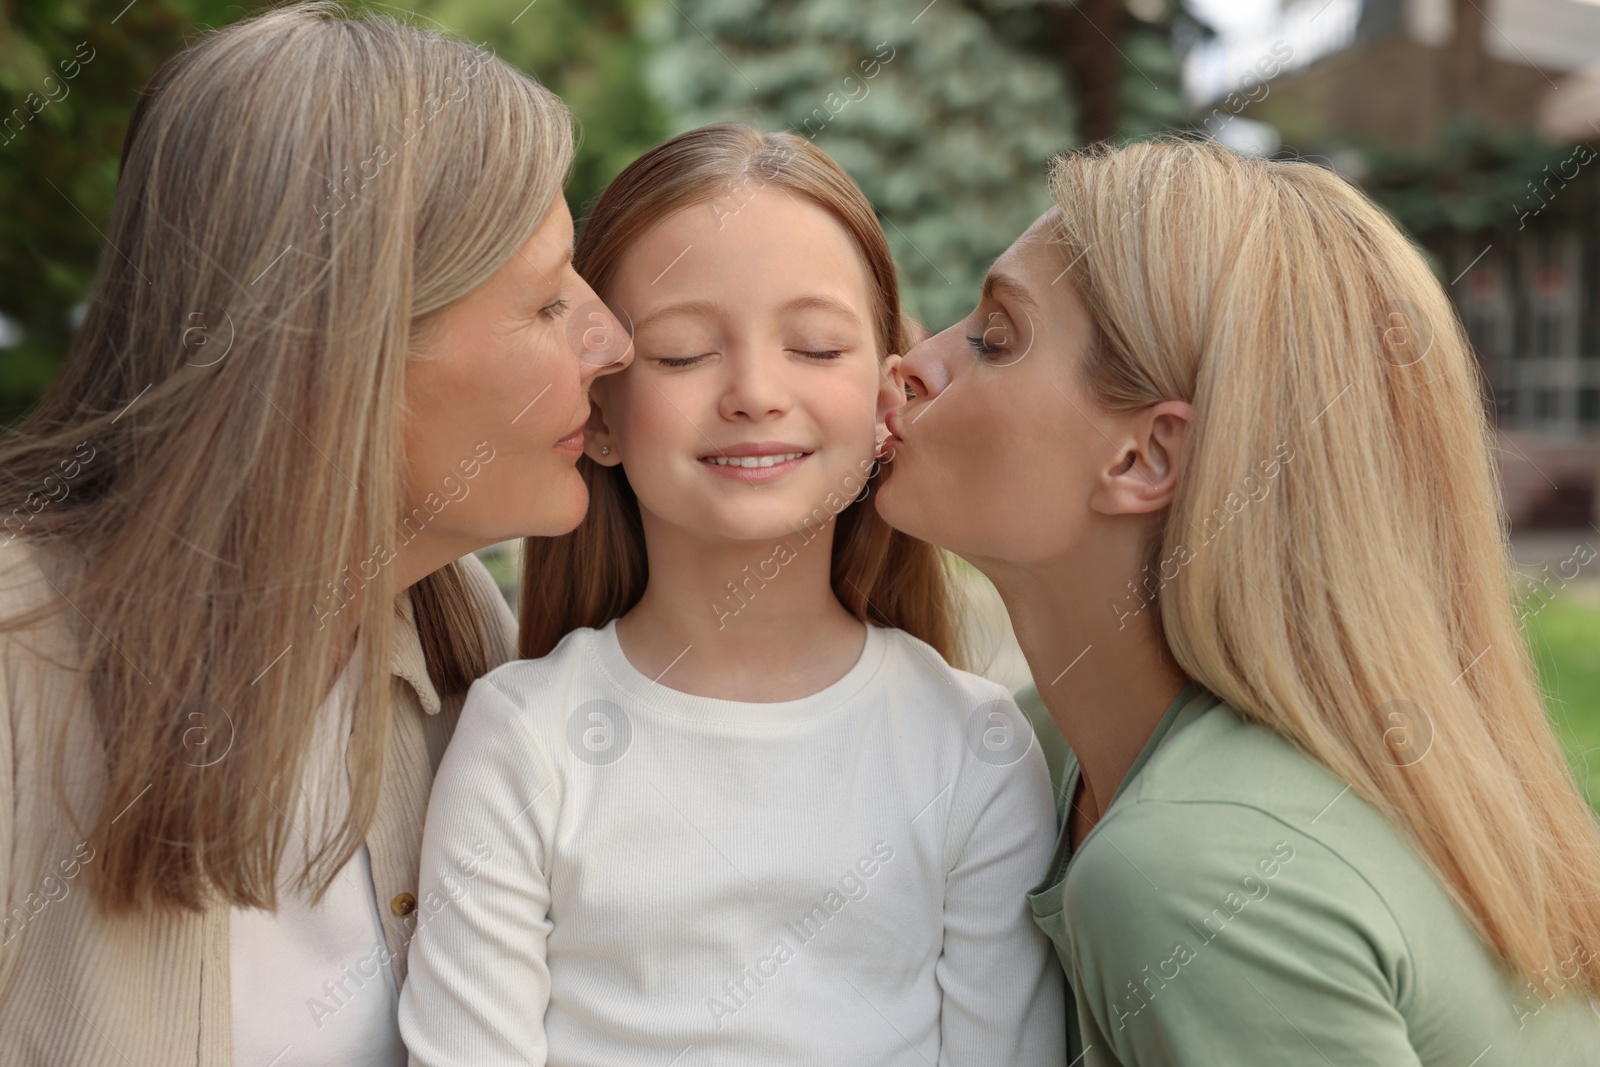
{"x": 820, "y": 353}
{"x": 819, "y": 327}
{"x": 677, "y": 361}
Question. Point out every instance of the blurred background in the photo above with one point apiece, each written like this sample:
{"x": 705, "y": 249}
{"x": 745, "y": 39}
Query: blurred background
{"x": 1470, "y": 121}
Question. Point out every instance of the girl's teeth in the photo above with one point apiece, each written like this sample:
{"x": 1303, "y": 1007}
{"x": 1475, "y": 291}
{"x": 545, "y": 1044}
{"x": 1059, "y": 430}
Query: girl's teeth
{"x": 753, "y": 461}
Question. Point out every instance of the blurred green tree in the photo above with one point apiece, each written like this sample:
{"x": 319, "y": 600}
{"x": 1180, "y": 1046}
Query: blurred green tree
{"x": 70, "y": 73}
{"x": 588, "y": 51}
{"x": 945, "y": 112}
{"x": 1477, "y": 177}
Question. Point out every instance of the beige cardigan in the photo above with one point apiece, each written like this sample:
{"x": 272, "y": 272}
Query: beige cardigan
{"x": 81, "y": 990}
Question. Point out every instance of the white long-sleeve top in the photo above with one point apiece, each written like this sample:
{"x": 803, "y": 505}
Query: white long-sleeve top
{"x": 615, "y": 872}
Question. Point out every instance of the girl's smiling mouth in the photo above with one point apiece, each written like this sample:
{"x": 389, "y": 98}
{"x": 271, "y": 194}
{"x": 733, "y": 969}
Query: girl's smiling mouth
{"x": 756, "y": 461}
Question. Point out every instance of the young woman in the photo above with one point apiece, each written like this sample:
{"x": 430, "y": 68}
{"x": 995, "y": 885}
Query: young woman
{"x": 738, "y": 809}
{"x": 1217, "y": 437}
{"x": 327, "y": 354}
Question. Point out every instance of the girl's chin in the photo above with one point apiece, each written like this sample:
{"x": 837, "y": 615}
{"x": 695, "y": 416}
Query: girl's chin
{"x": 766, "y": 525}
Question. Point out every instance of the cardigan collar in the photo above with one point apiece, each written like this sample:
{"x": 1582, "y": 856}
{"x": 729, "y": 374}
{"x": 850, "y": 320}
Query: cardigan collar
{"x": 405, "y": 656}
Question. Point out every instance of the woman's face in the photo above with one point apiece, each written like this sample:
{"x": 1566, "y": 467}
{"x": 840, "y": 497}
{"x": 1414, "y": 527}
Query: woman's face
{"x": 498, "y": 396}
{"x": 758, "y": 386}
{"x": 998, "y": 454}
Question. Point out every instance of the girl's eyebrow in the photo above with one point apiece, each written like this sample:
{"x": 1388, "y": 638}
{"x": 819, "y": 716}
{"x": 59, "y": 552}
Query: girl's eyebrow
{"x": 810, "y": 302}
{"x": 685, "y": 307}
{"x": 822, "y": 303}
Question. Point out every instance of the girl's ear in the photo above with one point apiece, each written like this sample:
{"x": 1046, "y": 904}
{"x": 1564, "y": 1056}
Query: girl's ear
{"x": 598, "y": 442}
{"x": 891, "y": 393}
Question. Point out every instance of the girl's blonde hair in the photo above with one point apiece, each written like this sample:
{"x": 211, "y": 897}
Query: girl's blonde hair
{"x": 299, "y": 191}
{"x": 597, "y": 572}
{"x": 1363, "y": 605}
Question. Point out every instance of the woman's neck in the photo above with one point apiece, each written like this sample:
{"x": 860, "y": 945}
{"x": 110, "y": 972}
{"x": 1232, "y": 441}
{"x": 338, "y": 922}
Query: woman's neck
{"x": 755, "y": 621}
{"x": 1102, "y": 670}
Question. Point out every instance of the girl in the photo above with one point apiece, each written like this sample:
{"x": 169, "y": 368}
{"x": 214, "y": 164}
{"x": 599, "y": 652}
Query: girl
{"x": 736, "y": 807}
{"x": 1217, "y": 437}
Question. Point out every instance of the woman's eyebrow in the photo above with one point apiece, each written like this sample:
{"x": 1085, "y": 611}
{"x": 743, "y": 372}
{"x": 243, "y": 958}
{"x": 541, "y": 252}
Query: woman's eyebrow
{"x": 1011, "y": 289}
{"x": 546, "y": 276}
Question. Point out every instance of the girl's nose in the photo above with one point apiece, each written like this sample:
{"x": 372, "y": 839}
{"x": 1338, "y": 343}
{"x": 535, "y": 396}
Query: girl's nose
{"x": 753, "y": 388}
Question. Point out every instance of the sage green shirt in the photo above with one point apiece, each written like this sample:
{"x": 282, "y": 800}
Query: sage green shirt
{"x": 1239, "y": 905}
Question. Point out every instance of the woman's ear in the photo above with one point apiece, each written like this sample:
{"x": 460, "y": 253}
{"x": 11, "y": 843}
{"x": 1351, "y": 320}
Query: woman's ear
{"x": 599, "y": 444}
{"x": 1144, "y": 476}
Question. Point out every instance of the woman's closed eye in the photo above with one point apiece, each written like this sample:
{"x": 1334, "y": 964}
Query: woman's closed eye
{"x": 554, "y": 310}
{"x": 982, "y": 348}
{"x": 995, "y": 338}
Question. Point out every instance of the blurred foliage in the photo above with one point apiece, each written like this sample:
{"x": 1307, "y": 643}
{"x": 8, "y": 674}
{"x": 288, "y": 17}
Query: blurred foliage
{"x": 588, "y": 51}
{"x": 1479, "y": 177}
{"x": 1151, "y": 98}
{"x": 70, "y": 72}
{"x": 949, "y": 133}
{"x": 59, "y": 157}
{"x": 1563, "y": 636}
{"x": 950, "y": 137}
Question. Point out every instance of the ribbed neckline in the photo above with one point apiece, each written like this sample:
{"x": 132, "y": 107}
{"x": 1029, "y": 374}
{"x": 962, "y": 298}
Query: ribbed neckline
{"x": 652, "y": 696}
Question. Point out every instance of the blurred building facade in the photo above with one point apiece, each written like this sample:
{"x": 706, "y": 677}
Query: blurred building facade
{"x": 1474, "y": 121}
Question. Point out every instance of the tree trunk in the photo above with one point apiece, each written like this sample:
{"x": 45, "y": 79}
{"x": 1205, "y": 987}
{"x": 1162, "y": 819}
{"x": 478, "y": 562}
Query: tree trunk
{"x": 1088, "y": 36}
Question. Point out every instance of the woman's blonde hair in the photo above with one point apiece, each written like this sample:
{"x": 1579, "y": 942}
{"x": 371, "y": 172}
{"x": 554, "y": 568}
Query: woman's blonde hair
{"x": 1363, "y": 605}
{"x": 597, "y": 572}
{"x": 298, "y": 192}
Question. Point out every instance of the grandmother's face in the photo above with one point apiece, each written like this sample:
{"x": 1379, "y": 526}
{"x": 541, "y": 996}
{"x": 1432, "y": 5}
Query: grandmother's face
{"x": 996, "y": 454}
{"x": 497, "y": 399}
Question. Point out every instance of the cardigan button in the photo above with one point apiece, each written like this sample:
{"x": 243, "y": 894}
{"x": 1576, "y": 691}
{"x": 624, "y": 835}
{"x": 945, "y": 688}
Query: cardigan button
{"x": 403, "y": 905}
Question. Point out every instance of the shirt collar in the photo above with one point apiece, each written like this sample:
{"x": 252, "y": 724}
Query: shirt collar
{"x": 1184, "y": 709}
{"x": 406, "y": 659}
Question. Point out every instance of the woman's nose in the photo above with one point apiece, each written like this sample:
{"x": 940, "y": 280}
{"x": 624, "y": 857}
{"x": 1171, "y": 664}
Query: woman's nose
{"x": 922, "y": 371}
{"x": 599, "y": 340}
